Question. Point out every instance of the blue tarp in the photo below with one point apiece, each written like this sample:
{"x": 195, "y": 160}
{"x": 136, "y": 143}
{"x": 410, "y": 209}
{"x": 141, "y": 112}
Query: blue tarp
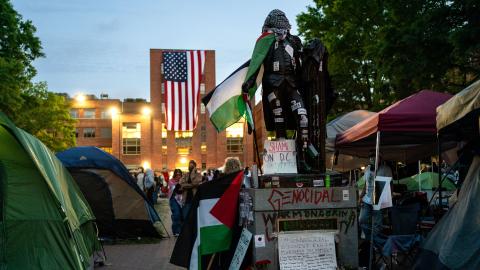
{"x": 83, "y": 157}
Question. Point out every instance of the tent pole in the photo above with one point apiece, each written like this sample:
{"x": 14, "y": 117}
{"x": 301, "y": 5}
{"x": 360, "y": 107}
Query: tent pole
{"x": 377, "y": 153}
{"x": 439, "y": 170}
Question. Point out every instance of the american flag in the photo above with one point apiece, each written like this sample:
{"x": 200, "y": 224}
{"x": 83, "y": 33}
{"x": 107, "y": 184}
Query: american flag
{"x": 182, "y": 71}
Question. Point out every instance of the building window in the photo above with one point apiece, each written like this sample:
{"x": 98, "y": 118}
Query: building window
{"x": 105, "y": 114}
{"x": 234, "y": 145}
{"x": 89, "y": 132}
{"x": 106, "y": 132}
{"x": 164, "y": 149}
{"x": 163, "y": 88}
{"x": 203, "y": 133}
{"x": 204, "y": 166}
{"x": 77, "y": 130}
{"x": 131, "y": 146}
{"x": 161, "y": 69}
{"x": 106, "y": 149}
{"x": 183, "y": 134}
{"x": 202, "y": 88}
{"x": 203, "y": 148}
{"x": 202, "y": 108}
{"x": 74, "y": 113}
{"x": 184, "y": 151}
{"x": 89, "y": 113}
{"x": 235, "y": 130}
{"x": 131, "y": 131}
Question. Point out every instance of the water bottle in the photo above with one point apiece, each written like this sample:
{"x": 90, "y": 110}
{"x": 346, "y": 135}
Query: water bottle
{"x": 327, "y": 181}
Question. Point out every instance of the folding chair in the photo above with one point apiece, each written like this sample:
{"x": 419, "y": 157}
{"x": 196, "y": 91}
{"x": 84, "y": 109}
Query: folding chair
{"x": 401, "y": 245}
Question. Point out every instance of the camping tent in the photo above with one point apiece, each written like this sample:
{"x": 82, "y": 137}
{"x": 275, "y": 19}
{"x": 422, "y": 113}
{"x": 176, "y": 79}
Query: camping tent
{"x": 121, "y": 208}
{"x": 45, "y": 222}
{"x": 337, "y": 126}
{"x": 453, "y": 242}
{"x": 458, "y": 117}
{"x": 406, "y": 130}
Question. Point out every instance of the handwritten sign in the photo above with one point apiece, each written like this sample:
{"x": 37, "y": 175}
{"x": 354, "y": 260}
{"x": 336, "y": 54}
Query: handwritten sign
{"x": 309, "y": 251}
{"x": 279, "y": 157}
{"x": 242, "y": 247}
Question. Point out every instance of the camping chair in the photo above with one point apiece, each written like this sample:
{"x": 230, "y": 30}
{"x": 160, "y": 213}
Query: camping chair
{"x": 401, "y": 245}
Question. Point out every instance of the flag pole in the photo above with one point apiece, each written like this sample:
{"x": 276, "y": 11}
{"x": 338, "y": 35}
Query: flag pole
{"x": 211, "y": 261}
{"x": 247, "y": 102}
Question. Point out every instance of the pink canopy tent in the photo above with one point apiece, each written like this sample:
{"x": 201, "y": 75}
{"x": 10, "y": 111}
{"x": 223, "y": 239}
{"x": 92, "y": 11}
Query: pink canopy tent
{"x": 405, "y": 130}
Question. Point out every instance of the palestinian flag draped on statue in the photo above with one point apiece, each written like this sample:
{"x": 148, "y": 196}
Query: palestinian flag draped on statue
{"x": 224, "y": 103}
{"x": 210, "y": 225}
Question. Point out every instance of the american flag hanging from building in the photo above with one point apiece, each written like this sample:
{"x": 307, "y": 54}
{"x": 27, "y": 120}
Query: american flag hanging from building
{"x": 182, "y": 71}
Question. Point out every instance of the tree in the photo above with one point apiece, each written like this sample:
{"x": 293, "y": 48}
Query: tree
{"x": 30, "y": 106}
{"x": 382, "y": 51}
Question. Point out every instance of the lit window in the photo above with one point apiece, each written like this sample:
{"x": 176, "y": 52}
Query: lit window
{"x": 164, "y": 149}
{"x": 163, "y": 88}
{"x": 164, "y": 131}
{"x": 203, "y": 133}
{"x": 106, "y": 149}
{"x": 234, "y": 145}
{"x": 89, "y": 113}
{"x": 183, "y": 134}
{"x": 164, "y": 162}
{"x": 131, "y": 130}
{"x": 89, "y": 132}
{"x": 204, "y": 166}
{"x": 74, "y": 113}
{"x": 202, "y": 88}
{"x": 235, "y": 130}
{"x": 106, "y": 132}
{"x": 202, "y": 108}
{"x": 203, "y": 148}
{"x": 184, "y": 150}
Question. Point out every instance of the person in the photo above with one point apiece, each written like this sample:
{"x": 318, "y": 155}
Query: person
{"x": 232, "y": 164}
{"x": 281, "y": 82}
{"x": 366, "y": 209}
{"x": 140, "y": 176}
{"x": 149, "y": 185}
{"x": 189, "y": 184}
{"x": 204, "y": 177}
{"x": 210, "y": 175}
{"x": 175, "y": 201}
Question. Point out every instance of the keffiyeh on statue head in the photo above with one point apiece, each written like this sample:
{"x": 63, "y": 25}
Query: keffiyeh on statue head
{"x": 277, "y": 22}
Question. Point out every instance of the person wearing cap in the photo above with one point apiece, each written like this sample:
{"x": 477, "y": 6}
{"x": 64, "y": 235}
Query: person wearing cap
{"x": 366, "y": 209}
{"x": 188, "y": 184}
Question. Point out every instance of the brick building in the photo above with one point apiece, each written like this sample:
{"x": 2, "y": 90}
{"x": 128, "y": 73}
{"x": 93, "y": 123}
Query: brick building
{"x": 134, "y": 130}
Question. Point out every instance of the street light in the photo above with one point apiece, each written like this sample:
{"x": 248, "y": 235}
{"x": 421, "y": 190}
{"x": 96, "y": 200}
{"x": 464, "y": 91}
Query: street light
{"x": 113, "y": 111}
{"x": 80, "y": 98}
{"x": 146, "y": 111}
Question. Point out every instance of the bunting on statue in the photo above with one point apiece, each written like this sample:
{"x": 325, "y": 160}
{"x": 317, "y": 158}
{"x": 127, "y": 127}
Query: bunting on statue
{"x": 182, "y": 73}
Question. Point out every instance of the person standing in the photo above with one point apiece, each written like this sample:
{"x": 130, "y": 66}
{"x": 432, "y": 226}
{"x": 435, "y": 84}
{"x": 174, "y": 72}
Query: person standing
{"x": 175, "y": 200}
{"x": 140, "y": 177}
{"x": 149, "y": 185}
{"x": 189, "y": 184}
{"x": 366, "y": 209}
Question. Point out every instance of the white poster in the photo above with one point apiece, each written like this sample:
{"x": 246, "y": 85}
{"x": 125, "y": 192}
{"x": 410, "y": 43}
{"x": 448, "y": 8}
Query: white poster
{"x": 242, "y": 247}
{"x": 383, "y": 193}
{"x": 279, "y": 157}
{"x": 307, "y": 251}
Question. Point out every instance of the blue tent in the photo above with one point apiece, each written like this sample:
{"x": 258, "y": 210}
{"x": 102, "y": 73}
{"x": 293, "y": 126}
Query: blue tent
{"x": 120, "y": 206}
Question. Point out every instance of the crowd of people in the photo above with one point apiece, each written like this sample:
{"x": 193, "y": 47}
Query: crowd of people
{"x": 181, "y": 187}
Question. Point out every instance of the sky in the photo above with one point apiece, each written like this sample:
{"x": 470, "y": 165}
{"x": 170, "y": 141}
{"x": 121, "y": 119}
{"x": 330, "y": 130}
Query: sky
{"x": 102, "y": 46}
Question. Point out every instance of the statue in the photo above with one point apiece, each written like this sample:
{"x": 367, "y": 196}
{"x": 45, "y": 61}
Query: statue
{"x": 282, "y": 82}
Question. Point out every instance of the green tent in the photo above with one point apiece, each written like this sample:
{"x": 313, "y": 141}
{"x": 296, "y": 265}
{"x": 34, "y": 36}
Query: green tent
{"x": 45, "y": 222}
{"x": 428, "y": 180}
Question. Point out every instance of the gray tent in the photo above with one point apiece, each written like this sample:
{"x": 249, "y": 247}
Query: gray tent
{"x": 340, "y": 125}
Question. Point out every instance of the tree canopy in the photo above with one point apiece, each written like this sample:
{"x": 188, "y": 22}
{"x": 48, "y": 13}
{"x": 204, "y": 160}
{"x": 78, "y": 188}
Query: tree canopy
{"x": 30, "y": 106}
{"x": 384, "y": 50}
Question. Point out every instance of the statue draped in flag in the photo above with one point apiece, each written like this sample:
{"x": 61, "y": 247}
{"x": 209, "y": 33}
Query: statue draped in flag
{"x": 279, "y": 53}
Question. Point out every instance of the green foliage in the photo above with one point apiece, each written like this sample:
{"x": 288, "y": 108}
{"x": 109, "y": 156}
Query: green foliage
{"x": 30, "y": 106}
{"x": 384, "y": 50}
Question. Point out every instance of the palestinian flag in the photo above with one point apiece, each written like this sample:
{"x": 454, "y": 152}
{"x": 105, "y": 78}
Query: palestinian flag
{"x": 224, "y": 103}
{"x": 210, "y": 225}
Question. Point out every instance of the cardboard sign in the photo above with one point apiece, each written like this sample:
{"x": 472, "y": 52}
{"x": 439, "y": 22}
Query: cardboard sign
{"x": 279, "y": 157}
{"x": 242, "y": 247}
{"x": 383, "y": 198}
{"x": 312, "y": 250}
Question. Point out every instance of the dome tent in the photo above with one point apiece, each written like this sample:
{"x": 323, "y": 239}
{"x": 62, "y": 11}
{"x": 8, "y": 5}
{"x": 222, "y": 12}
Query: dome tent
{"x": 45, "y": 222}
{"x": 121, "y": 208}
